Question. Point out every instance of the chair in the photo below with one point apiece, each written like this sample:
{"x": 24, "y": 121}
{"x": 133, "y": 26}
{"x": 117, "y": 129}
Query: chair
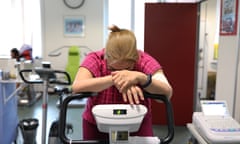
{"x": 72, "y": 68}
{"x": 73, "y": 61}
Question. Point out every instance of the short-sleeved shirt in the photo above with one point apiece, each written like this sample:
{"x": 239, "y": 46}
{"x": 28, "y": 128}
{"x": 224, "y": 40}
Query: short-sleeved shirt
{"x": 97, "y": 65}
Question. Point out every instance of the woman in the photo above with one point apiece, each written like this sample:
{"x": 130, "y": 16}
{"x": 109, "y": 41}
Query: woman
{"x": 119, "y": 74}
{"x": 15, "y": 54}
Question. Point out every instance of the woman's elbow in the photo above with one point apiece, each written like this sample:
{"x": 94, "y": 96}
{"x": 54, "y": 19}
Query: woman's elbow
{"x": 74, "y": 89}
{"x": 169, "y": 92}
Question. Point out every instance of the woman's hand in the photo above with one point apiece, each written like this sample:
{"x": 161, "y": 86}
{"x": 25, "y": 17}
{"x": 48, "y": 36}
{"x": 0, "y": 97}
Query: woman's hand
{"x": 124, "y": 79}
{"x": 126, "y": 82}
{"x": 133, "y": 95}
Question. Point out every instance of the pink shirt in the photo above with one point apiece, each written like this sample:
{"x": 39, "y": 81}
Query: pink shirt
{"x": 96, "y": 64}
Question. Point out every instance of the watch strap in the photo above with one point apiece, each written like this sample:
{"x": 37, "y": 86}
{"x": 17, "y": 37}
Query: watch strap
{"x": 148, "y": 82}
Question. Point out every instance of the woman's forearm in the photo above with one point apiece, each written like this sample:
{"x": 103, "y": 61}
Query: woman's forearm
{"x": 92, "y": 84}
{"x": 159, "y": 84}
{"x": 159, "y": 87}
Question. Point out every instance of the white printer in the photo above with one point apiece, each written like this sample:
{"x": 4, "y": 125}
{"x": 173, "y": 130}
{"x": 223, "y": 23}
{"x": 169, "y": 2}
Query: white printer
{"x": 215, "y": 124}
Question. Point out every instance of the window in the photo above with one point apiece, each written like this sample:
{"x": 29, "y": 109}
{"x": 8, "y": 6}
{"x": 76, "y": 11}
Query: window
{"x": 130, "y": 15}
{"x": 20, "y": 24}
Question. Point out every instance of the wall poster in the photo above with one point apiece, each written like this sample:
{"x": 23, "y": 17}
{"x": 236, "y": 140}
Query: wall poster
{"x": 74, "y": 26}
{"x": 228, "y": 19}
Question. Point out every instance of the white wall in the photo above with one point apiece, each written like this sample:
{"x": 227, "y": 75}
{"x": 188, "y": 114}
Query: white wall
{"x": 53, "y": 12}
{"x": 237, "y": 105}
{"x": 227, "y": 70}
{"x": 228, "y": 84}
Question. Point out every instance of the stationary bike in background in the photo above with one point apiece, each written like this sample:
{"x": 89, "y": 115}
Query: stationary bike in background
{"x": 47, "y": 76}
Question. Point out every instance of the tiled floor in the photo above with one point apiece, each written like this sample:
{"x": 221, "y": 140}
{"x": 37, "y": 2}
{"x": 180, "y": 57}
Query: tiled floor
{"x": 74, "y": 117}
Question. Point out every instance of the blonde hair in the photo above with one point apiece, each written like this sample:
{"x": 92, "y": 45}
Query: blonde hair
{"x": 121, "y": 45}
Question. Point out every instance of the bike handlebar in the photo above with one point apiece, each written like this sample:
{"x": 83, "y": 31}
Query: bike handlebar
{"x": 46, "y": 74}
{"x": 164, "y": 140}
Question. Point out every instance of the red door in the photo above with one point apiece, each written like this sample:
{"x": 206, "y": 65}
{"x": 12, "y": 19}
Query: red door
{"x": 171, "y": 37}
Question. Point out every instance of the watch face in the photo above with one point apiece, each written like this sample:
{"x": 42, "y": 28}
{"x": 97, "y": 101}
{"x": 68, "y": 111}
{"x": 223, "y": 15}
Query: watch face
{"x": 73, "y": 3}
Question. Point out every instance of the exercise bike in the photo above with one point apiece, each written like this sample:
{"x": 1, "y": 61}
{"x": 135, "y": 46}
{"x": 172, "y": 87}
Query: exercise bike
{"x": 118, "y": 121}
{"x": 47, "y": 76}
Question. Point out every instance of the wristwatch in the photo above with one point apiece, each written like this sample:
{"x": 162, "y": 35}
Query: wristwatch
{"x": 148, "y": 82}
{"x": 74, "y": 4}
